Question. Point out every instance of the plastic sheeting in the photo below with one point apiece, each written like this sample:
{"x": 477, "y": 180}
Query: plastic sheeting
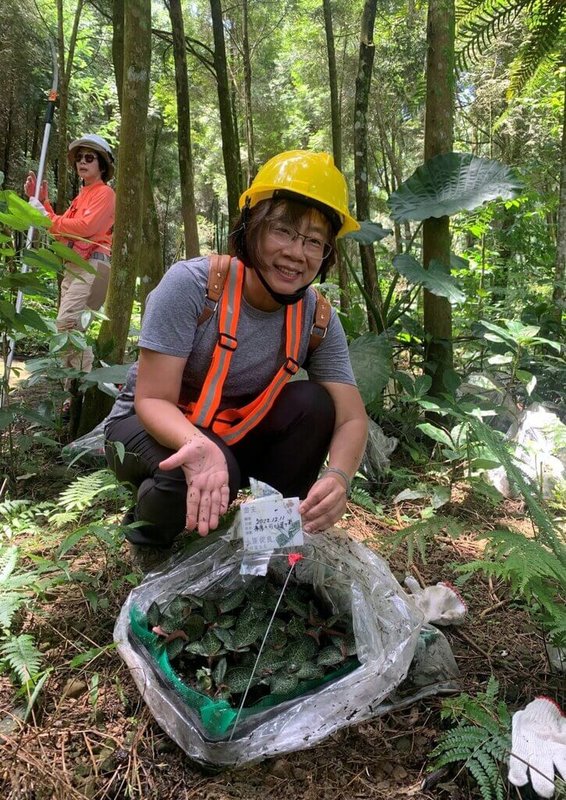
{"x": 539, "y": 437}
{"x": 378, "y": 449}
{"x": 89, "y": 447}
{"x": 387, "y": 627}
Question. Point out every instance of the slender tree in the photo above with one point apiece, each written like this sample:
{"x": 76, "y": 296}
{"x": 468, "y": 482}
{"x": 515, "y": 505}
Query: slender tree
{"x": 150, "y": 270}
{"x": 127, "y": 241}
{"x": 188, "y": 208}
{"x": 559, "y": 291}
{"x": 336, "y": 124}
{"x": 363, "y": 84}
{"x": 246, "y": 58}
{"x": 439, "y": 131}
{"x": 65, "y": 69}
{"x": 230, "y": 150}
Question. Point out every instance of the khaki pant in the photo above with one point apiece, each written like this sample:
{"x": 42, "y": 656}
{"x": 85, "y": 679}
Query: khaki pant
{"x": 81, "y": 291}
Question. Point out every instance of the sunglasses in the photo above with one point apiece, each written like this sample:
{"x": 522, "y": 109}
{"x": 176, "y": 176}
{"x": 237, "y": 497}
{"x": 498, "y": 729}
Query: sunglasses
{"x": 88, "y": 157}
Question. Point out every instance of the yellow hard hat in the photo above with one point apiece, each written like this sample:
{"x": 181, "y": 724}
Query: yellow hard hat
{"x": 311, "y": 175}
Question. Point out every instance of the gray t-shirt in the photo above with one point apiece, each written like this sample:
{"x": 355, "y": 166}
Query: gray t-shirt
{"x": 170, "y": 327}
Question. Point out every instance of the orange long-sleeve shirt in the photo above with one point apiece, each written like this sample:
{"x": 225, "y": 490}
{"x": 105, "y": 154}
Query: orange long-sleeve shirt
{"x": 90, "y": 216}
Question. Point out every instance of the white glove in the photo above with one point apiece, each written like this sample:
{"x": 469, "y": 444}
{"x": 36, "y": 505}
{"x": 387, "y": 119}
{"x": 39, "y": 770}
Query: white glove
{"x": 440, "y": 604}
{"x": 38, "y": 206}
{"x": 538, "y": 746}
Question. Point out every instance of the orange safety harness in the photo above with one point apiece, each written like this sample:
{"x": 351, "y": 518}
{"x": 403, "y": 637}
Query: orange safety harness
{"x": 224, "y": 292}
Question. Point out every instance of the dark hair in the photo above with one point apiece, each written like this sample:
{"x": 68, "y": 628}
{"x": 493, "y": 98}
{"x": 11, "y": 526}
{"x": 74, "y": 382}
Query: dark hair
{"x": 103, "y": 166}
{"x": 247, "y": 232}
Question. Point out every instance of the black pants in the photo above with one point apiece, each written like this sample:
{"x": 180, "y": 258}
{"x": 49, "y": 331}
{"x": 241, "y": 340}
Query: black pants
{"x": 286, "y": 450}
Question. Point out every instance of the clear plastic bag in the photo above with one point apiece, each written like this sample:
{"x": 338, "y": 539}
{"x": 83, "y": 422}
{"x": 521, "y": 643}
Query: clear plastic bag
{"x": 378, "y": 449}
{"x": 387, "y": 626}
{"x": 539, "y": 439}
{"x": 89, "y": 447}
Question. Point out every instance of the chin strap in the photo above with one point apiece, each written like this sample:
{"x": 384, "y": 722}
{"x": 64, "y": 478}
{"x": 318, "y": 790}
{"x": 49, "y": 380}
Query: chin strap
{"x": 284, "y": 299}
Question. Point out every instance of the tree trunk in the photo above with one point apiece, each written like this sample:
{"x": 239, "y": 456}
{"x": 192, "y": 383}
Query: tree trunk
{"x": 229, "y": 143}
{"x": 559, "y": 293}
{"x": 363, "y": 83}
{"x": 188, "y": 209}
{"x": 151, "y": 265}
{"x": 248, "y": 93}
{"x": 151, "y": 262}
{"x": 336, "y": 124}
{"x": 65, "y": 69}
{"x": 439, "y": 128}
{"x": 127, "y": 240}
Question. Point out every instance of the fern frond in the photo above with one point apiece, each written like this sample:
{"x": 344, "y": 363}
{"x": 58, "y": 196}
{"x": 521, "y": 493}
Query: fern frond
{"x": 478, "y": 22}
{"x": 481, "y": 741}
{"x": 62, "y": 518}
{"x": 361, "y": 497}
{"x": 86, "y": 488}
{"x": 22, "y": 656}
{"x": 539, "y": 516}
{"x": 8, "y": 561}
{"x": 10, "y": 602}
{"x": 547, "y": 25}
{"x": 421, "y": 534}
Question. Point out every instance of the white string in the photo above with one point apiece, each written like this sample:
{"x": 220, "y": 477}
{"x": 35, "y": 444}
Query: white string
{"x": 260, "y": 651}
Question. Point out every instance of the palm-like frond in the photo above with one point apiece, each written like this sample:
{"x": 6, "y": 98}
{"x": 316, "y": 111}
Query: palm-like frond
{"x": 478, "y": 22}
{"x": 547, "y": 23}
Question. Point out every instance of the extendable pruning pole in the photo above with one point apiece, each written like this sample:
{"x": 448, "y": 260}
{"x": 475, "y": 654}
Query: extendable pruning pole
{"x": 49, "y": 112}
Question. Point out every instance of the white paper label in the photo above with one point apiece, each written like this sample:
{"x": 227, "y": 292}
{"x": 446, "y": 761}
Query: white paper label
{"x": 271, "y": 522}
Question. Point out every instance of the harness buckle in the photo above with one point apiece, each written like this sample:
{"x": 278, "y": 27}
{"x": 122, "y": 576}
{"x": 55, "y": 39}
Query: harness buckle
{"x": 227, "y": 342}
{"x": 291, "y": 366}
{"x": 316, "y": 330}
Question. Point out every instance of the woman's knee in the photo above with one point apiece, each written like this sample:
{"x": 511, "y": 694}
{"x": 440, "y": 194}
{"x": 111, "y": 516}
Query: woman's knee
{"x": 308, "y": 401}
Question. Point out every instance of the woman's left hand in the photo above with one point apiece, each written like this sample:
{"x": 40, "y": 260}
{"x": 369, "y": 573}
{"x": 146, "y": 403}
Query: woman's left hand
{"x": 324, "y": 505}
{"x": 206, "y": 473}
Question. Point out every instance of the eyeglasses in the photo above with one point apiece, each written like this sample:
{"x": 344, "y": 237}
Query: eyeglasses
{"x": 88, "y": 157}
{"x": 313, "y": 247}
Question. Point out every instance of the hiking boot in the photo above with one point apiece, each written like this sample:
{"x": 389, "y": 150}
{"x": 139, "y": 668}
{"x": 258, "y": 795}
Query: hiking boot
{"x": 146, "y": 558}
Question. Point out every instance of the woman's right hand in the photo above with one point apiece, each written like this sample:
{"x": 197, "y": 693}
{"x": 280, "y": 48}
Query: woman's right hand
{"x": 206, "y": 473}
{"x": 30, "y": 186}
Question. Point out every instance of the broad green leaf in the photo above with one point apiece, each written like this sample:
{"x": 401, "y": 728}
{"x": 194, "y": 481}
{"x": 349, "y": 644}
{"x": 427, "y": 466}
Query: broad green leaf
{"x": 436, "y": 279}
{"x": 89, "y": 655}
{"x": 451, "y": 380}
{"x": 32, "y": 319}
{"x": 6, "y": 417}
{"x": 116, "y": 373}
{"x": 42, "y": 258}
{"x": 371, "y": 361}
{"x": 449, "y": 183}
{"x": 7, "y": 310}
{"x": 436, "y": 434}
{"x": 72, "y": 540}
{"x": 422, "y": 385}
{"x": 498, "y": 333}
{"x": 369, "y": 232}
{"x": 68, "y": 254}
{"x": 500, "y": 359}
{"x": 440, "y": 496}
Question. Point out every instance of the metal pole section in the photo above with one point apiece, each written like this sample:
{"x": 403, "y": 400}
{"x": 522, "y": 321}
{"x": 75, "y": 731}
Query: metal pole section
{"x": 49, "y": 112}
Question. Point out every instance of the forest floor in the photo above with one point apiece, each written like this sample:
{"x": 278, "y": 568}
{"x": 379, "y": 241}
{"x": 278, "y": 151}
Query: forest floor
{"x": 91, "y": 735}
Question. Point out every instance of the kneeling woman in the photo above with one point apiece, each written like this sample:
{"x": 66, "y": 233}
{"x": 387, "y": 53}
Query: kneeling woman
{"x": 210, "y": 404}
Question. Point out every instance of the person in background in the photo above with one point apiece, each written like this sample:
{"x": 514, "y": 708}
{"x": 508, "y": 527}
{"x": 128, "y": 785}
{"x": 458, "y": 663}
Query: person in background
{"x": 86, "y": 226}
{"x": 210, "y": 403}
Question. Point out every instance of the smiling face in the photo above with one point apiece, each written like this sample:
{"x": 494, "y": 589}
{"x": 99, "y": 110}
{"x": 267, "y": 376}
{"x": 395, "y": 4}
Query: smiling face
{"x": 87, "y": 165}
{"x": 292, "y": 241}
